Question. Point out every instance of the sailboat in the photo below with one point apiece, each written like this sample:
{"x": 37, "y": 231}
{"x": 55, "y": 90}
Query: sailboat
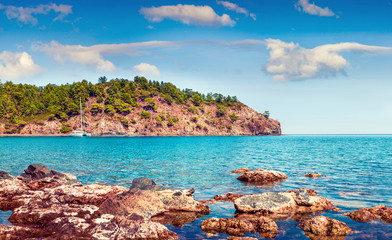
{"x": 81, "y": 132}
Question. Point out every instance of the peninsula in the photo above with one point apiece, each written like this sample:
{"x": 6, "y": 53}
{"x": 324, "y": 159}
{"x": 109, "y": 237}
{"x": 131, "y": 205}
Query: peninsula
{"x": 121, "y": 107}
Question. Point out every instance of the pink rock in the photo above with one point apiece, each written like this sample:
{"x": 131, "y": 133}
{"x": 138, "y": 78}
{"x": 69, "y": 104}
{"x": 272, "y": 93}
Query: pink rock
{"x": 369, "y": 214}
{"x": 240, "y": 226}
{"x": 324, "y": 226}
{"x": 313, "y": 175}
{"x": 261, "y": 176}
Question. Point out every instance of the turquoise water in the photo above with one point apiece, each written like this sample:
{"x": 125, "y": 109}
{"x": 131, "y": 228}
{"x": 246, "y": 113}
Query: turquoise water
{"x": 359, "y": 169}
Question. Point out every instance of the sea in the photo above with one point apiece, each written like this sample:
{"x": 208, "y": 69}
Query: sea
{"x": 358, "y": 170}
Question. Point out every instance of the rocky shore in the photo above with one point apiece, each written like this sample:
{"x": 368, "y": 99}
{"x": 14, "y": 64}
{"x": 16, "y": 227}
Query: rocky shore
{"x": 47, "y": 204}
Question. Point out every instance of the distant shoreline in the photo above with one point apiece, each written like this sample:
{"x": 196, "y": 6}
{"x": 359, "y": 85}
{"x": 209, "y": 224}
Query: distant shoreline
{"x": 108, "y": 135}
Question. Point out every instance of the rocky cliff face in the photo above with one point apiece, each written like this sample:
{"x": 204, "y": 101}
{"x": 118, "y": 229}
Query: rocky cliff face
{"x": 161, "y": 119}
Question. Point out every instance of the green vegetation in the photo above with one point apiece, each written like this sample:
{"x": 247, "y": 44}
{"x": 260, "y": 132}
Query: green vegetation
{"x": 233, "y": 117}
{"x": 23, "y": 103}
{"x": 266, "y": 114}
{"x": 145, "y": 114}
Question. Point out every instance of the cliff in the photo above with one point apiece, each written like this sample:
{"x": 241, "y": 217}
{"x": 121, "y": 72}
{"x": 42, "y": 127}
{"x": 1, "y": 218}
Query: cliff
{"x": 148, "y": 112}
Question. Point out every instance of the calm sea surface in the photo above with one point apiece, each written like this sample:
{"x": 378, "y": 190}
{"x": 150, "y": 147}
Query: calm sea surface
{"x": 359, "y": 169}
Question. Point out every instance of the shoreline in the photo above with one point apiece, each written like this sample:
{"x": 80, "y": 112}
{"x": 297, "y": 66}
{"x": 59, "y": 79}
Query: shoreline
{"x": 130, "y": 136}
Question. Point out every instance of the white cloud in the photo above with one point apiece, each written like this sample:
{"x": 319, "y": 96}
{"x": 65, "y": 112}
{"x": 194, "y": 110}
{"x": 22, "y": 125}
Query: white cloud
{"x": 17, "y": 65}
{"x": 147, "y": 70}
{"x": 312, "y": 9}
{"x": 234, "y": 7}
{"x": 187, "y": 14}
{"x": 93, "y": 56}
{"x": 289, "y": 61}
{"x": 25, "y": 14}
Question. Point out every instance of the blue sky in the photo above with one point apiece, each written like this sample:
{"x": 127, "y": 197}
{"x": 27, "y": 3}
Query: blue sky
{"x": 320, "y": 66}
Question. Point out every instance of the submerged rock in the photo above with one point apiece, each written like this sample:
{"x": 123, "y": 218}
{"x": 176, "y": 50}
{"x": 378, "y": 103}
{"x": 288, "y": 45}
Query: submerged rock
{"x": 318, "y": 226}
{"x": 265, "y": 226}
{"x": 314, "y": 175}
{"x": 228, "y": 197}
{"x": 261, "y": 176}
{"x": 145, "y": 183}
{"x": 370, "y": 214}
{"x": 40, "y": 173}
{"x": 295, "y": 201}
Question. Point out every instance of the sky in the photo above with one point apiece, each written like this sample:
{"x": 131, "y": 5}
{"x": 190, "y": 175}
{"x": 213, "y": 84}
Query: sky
{"x": 319, "y": 67}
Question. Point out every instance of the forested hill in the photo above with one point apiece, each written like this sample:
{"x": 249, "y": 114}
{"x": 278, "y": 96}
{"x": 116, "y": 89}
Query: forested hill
{"x": 124, "y": 107}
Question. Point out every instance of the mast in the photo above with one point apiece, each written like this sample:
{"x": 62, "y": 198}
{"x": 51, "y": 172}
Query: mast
{"x": 81, "y": 114}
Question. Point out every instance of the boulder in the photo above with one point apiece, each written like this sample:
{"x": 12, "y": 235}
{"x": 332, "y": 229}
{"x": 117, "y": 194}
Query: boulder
{"x": 370, "y": 214}
{"x": 261, "y": 176}
{"x": 324, "y": 226}
{"x": 177, "y": 218}
{"x": 145, "y": 183}
{"x": 239, "y": 226}
{"x": 149, "y": 203}
{"x": 314, "y": 175}
{"x": 295, "y": 201}
{"x": 241, "y": 238}
{"x": 40, "y": 173}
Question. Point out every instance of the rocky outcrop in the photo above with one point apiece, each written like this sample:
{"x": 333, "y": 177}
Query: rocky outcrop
{"x": 51, "y": 205}
{"x": 266, "y": 227}
{"x": 314, "y": 175}
{"x": 319, "y": 226}
{"x": 370, "y": 214}
{"x": 261, "y": 176}
{"x": 297, "y": 201}
{"x": 147, "y": 203}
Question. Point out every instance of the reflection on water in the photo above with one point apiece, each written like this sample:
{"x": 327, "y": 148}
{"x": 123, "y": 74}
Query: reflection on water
{"x": 359, "y": 169}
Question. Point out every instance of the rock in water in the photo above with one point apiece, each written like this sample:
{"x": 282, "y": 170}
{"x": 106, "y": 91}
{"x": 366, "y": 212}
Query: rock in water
{"x": 369, "y": 214}
{"x": 269, "y": 202}
{"x": 266, "y": 227}
{"x": 4, "y": 175}
{"x": 295, "y": 201}
{"x": 241, "y": 170}
{"x": 40, "y": 173}
{"x": 228, "y": 197}
{"x": 314, "y": 175}
{"x": 261, "y": 176}
{"x": 145, "y": 183}
{"x": 315, "y": 227}
{"x": 150, "y": 203}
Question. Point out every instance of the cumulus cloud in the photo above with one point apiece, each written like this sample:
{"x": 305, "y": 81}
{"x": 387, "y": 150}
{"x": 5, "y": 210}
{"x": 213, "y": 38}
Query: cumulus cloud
{"x": 93, "y": 56}
{"x": 17, "y": 65}
{"x": 234, "y": 7}
{"x": 312, "y": 9}
{"x": 147, "y": 70}
{"x": 289, "y": 61}
{"x": 25, "y": 14}
{"x": 187, "y": 14}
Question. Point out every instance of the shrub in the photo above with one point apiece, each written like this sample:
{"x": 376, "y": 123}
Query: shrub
{"x": 194, "y": 119}
{"x": 124, "y": 121}
{"x": 266, "y": 114}
{"x": 145, "y": 114}
{"x": 233, "y": 117}
{"x": 198, "y": 126}
{"x": 109, "y": 109}
{"x": 65, "y": 128}
{"x": 221, "y": 111}
{"x": 133, "y": 121}
{"x": 193, "y": 109}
